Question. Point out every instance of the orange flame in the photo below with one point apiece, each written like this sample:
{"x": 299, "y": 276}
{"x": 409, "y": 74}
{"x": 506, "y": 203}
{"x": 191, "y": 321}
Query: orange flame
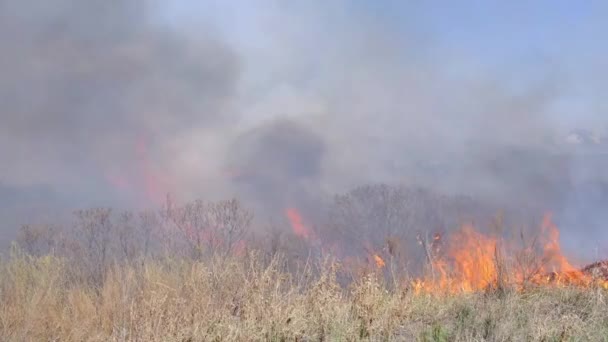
{"x": 552, "y": 247}
{"x": 155, "y": 183}
{"x": 379, "y": 261}
{"x": 474, "y": 262}
{"x": 297, "y": 224}
{"x": 561, "y": 270}
{"x": 143, "y": 178}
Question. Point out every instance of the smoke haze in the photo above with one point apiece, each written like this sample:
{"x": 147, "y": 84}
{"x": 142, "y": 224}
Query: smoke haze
{"x": 120, "y": 102}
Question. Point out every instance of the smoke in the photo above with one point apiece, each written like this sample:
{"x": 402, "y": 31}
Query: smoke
{"x": 283, "y": 104}
{"x": 276, "y": 164}
{"x": 91, "y": 90}
{"x": 390, "y": 109}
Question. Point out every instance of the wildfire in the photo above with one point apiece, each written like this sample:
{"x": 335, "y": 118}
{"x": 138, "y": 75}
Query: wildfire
{"x": 379, "y": 261}
{"x": 477, "y": 262}
{"x": 144, "y": 178}
{"x": 469, "y": 267}
{"x": 297, "y": 224}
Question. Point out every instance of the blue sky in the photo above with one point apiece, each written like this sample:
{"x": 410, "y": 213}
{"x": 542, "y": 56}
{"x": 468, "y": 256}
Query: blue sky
{"x": 494, "y": 29}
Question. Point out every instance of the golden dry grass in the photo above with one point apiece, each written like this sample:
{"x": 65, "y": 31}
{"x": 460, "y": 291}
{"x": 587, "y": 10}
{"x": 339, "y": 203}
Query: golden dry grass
{"x": 243, "y": 299}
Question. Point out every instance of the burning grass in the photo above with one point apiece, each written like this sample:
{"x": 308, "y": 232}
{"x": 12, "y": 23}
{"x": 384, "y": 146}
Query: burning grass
{"x": 192, "y": 273}
{"x": 246, "y": 299}
{"x": 477, "y": 262}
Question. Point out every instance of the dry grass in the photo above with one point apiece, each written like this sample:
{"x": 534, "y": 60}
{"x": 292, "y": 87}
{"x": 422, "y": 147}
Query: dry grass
{"x": 229, "y": 299}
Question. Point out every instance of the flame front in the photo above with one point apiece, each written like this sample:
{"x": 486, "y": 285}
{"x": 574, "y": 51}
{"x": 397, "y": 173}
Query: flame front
{"x": 477, "y": 262}
{"x": 473, "y": 255}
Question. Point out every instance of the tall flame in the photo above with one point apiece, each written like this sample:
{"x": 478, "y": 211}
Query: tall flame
{"x": 552, "y": 247}
{"x": 560, "y": 270}
{"x": 476, "y": 262}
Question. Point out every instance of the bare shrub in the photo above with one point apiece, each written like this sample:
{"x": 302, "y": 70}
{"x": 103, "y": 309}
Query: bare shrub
{"x": 126, "y": 234}
{"x": 93, "y": 228}
{"x": 38, "y": 240}
{"x": 393, "y": 220}
{"x": 211, "y": 227}
{"x": 149, "y": 224}
{"x": 229, "y": 222}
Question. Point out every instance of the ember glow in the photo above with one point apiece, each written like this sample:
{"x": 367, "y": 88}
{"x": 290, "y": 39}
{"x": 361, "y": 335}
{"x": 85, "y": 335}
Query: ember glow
{"x": 478, "y": 262}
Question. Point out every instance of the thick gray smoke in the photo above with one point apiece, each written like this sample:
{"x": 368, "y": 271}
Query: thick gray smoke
{"x": 278, "y": 165}
{"x": 104, "y": 102}
{"x": 89, "y": 89}
{"x": 93, "y": 96}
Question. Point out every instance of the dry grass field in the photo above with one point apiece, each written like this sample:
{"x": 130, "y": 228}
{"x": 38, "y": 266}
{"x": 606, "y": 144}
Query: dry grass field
{"x": 243, "y": 298}
{"x": 194, "y": 273}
